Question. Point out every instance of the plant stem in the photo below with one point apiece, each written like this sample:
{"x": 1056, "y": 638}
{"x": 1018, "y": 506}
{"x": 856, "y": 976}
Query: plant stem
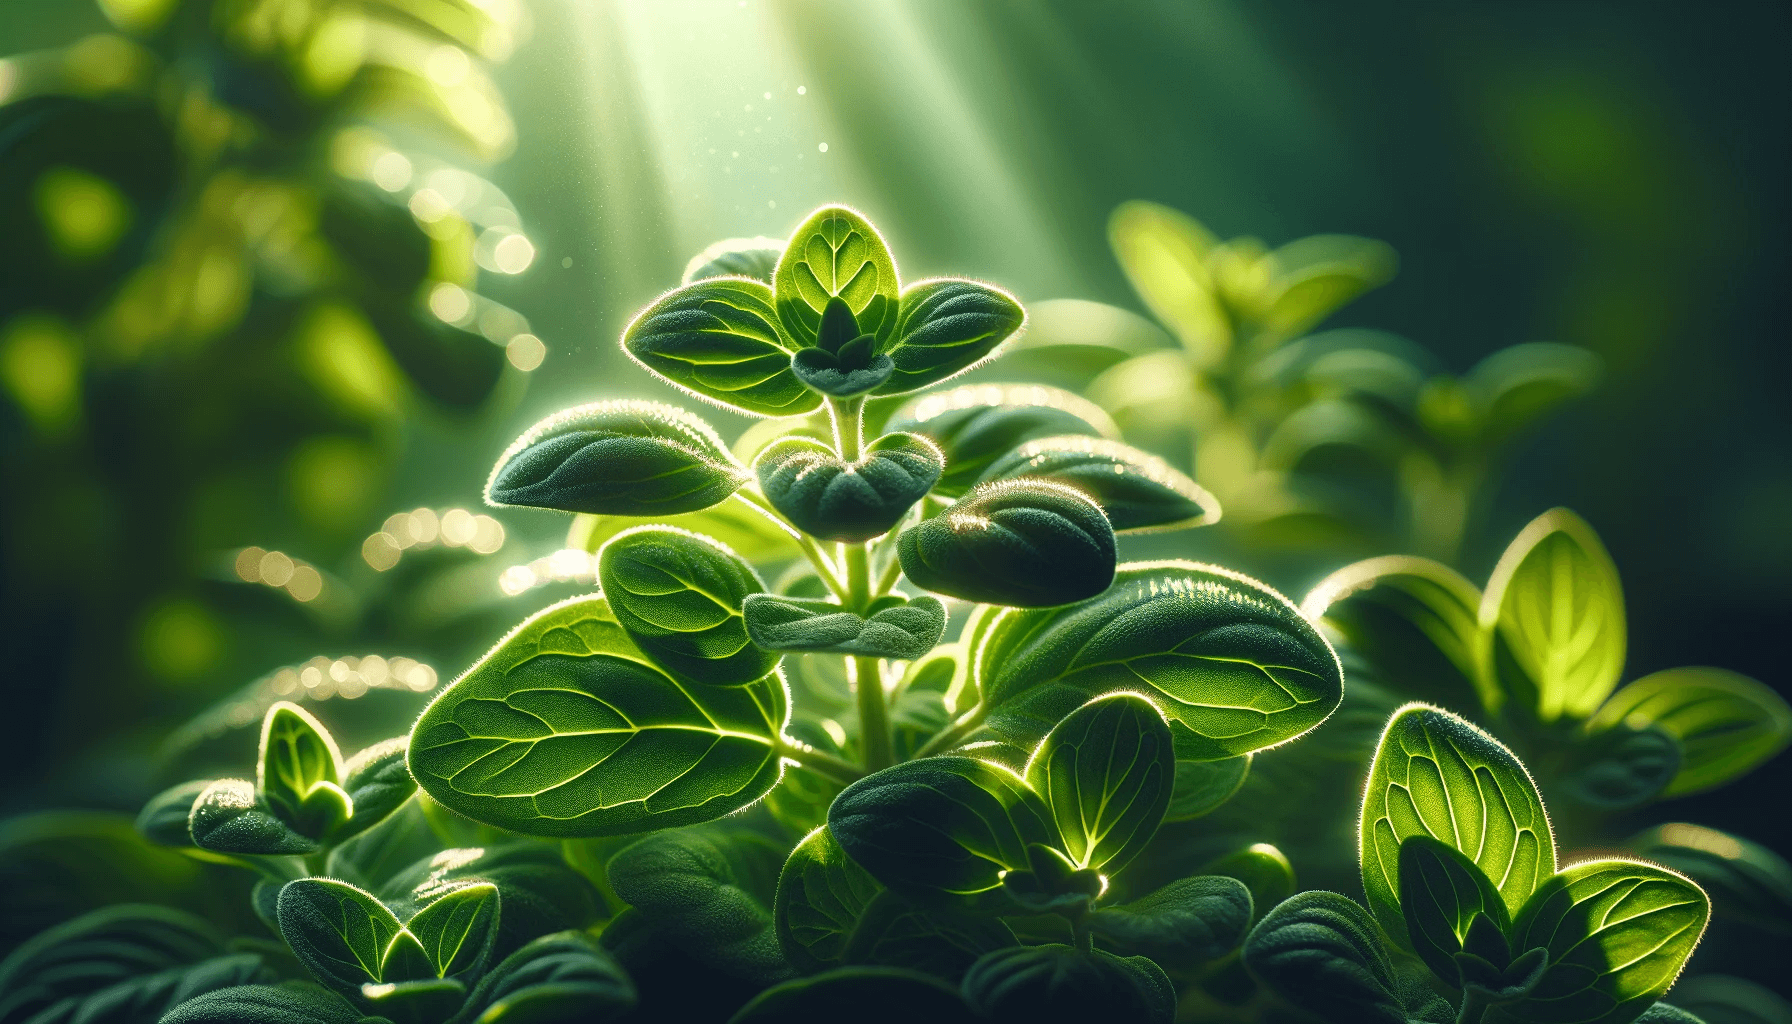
{"x": 1474, "y": 1006}
{"x": 847, "y": 415}
{"x": 1084, "y": 941}
{"x": 874, "y": 717}
{"x": 819, "y": 761}
{"x": 966, "y": 724}
{"x": 824, "y": 566}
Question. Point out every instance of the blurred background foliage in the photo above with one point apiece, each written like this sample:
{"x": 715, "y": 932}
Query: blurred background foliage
{"x": 276, "y": 274}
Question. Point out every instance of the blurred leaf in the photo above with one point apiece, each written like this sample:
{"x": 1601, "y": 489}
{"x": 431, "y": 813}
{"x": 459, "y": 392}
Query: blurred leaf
{"x": 1137, "y": 491}
{"x": 1720, "y": 999}
{"x": 449, "y": 365}
{"x": 1517, "y": 386}
{"x": 1164, "y": 254}
{"x": 1069, "y": 342}
{"x": 292, "y": 1002}
{"x": 744, "y": 530}
{"x": 1317, "y": 275}
{"x": 869, "y": 995}
{"x": 979, "y": 423}
{"x": 1060, "y": 982}
{"x": 1263, "y": 869}
{"x": 164, "y": 818}
{"x": 756, "y": 258}
{"x": 1746, "y": 881}
{"x": 1622, "y": 767}
{"x": 1028, "y": 543}
{"x": 1202, "y": 786}
{"x": 1727, "y": 723}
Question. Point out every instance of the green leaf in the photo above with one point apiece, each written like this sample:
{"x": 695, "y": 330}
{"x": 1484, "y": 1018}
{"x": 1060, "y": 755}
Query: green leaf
{"x": 376, "y": 855}
{"x": 1721, "y": 999}
{"x": 1442, "y": 894}
{"x": 1746, "y": 881}
{"x": 1027, "y": 543}
{"x": 1320, "y": 274}
{"x": 1665, "y": 1013}
{"x": 227, "y": 818}
{"x": 624, "y": 457}
{"x": 944, "y": 328}
{"x": 377, "y": 782}
{"x": 1069, "y": 342}
{"x": 1617, "y": 933}
{"x": 537, "y": 889}
{"x": 866, "y": 995}
{"x": 458, "y": 931}
{"x": 164, "y": 818}
{"x": 340, "y": 932}
{"x": 836, "y": 252}
{"x": 745, "y": 530}
{"x": 565, "y": 729}
{"x": 1552, "y": 620}
{"x": 1519, "y": 385}
{"x": 1188, "y": 922}
{"x": 1413, "y": 621}
{"x": 832, "y": 499}
{"x": 1621, "y": 767}
{"x": 940, "y": 824}
{"x": 1436, "y": 775}
{"x": 1202, "y": 786}
{"x": 895, "y": 931}
{"x": 1263, "y": 869}
{"x": 977, "y": 424}
{"x": 299, "y": 772}
{"x": 1727, "y": 724}
{"x": 1218, "y": 652}
{"x": 1106, "y": 772}
{"x": 678, "y": 595}
{"x": 1164, "y": 254}
{"x": 1139, "y": 491}
{"x": 292, "y": 1002}
{"x": 720, "y": 340}
{"x": 709, "y": 892}
{"x": 1321, "y": 952}
{"x": 417, "y": 1001}
{"x": 901, "y": 629}
{"x": 559, "y": 977}
{"x": 1058, "y": 982}
{"x": 756, "y": 258}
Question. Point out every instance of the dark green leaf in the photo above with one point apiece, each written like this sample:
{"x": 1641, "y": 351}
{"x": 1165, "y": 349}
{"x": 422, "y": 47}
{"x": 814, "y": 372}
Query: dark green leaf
{"x": 1617, "y": 933}
{"x": 827, "y": 497}
{"x": 1663, "y": 1013}
{"x": 1139, "y": 491}
{"x": 708, "y": 891}
{"x": 373, "y": 857}
{"x": 1727, "y": 724}
{"x": 856, "y": 370}
{"x": 292, "y": 1002}
{"x": 1721, "y": 999}
{"x": 940, "y": 824}
{"x": 299, "y": 772}
{"x": 164, "y": 818}
{"x": 865, "y": 995}
{"x": 1321, "y": 952}
{"x": 418, "y": 1001}
{"x": 1057, "y": 982}
{"x": 1436, "y": 775}
{"x": 1552, "y": 620}
{"x": 1185, "y": 923}
{"x": 1052, "y": 883}
{"x": 1442, "y": 894}
{"x": 836, "y": 252}
{"x": 756, "y": 258}
{"x": 454, "y": 367}
{"x": 1413, "y": 620}
{"x": 978, "y": 424}
{"x": 944, "y": 328}
{"x": 378, "y": 782}
{"x": 720, "y": 340}
{"x": 1219, "y": 653}
{"x": 566, "y": 729}
{"x": 227, "y": 818}
{"x": 1202, "y": 786}
{"x": 678, "y": 595}
{"x": 1106, "y": 772}
{"x": 624, "y": 458}
{"x": 537, "y": 889}
{"x": 341, "y": 933}
{"x": 1027, "y": 543}
{"x": 1621, "y": 767}
{"x": 459, "y": 930}
{"x": 1745, "y": 880}
{"x": 559, "y": 977}
{"x": 1263, "y": 869}
{"x": 1519, "y": 385}
{"x": 894, "y": 931}
{"x": 903, "y": 630}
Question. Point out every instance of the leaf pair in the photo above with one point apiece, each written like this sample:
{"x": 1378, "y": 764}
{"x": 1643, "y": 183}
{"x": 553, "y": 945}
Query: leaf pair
{"x": 831, "y": 498}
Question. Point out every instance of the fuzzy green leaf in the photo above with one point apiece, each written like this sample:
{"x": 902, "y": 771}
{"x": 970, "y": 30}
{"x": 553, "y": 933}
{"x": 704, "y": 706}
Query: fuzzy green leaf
{"x": 559, "y": 977}
{"x": 377, "y": 782}
{"x": 416, "y": 1001}
{"x": 946, "y": 327}
{"x": 1321, "y": 952}
{"x": 1188, "y": 922}
{"x": 865, "y": 995}
{"x": 567, "y": 729}
{"x": 1746, "y": 881}
{"x": 1261, "y": 868}
{"x": 458, "y": 930}
{"x": 1202, "y": 786}
{"x": 756, "y": 258}
{"x": 1057, "y": 982}
{"x": 1026, "y": 543}
{"x": 1617, "y": 933}
{"x": 292, "y": 1002}
{"x": 1621, "y": 767}
{"x": 1727, "y": 723}
{"x": 1219, "y": 653}
{"x": 299, "y": 773}
{"x": 709, "y": 891}
{"x": 720, "y": 340}
{"x": 900, "y": 629}
{"x": 1436, "y": 775}
{"x": 1442, "y": 892}
{"x": 537, "y": 889}
{"x": 624, "y": 458}
{"x": 977, "y": 424}
{"x": 1139, "y": 491}
{"x": 832, "y": 499}
{"x": 1106, "y": 772}
{"x": 836, "y": 252}
{"x": 341, "y": 933}
{"x": 227, "y": 818}
{"x": 678, "y": 595}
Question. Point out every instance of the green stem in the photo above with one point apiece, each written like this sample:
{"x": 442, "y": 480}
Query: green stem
{"x": 966, "y": 724}
{"x": 886, "y": 580}
{"x": 1080, "y": 928}
{"x": 847, "y": 415}
{"x": 1474, "y": 1006}
{"x": 819, "y": 761}
{"x": 874, "y": 716}
{"x": 824, "y": 566}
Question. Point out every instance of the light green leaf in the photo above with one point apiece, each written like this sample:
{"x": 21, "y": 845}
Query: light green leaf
{"x": 1027, "y": 543}
{"x": 559, "y": 977}
{"x": 1106, "y": 772}
{"x": 624, "y": 457}
{"x": 1442, "y": 893}
{"x": 1164, "y": 254}
{"x": 836, "y": 252}
{"x": 292, "y": 1002}
{"x": 1519, "y": 385}
{"x": 1436, "y": 775}
{"x": 299, "y": 772}
{"x": 1727, "y": 723}
{"x": 1219, "y": 653}
{"x": 227, "y": 818}
{"x": 1058, "y": 982}
{"x": 870, "y": 995}
{"x": 1139, "y": 491}
{"x": 979, "y": 423}
{"x": 832, "y": 499}
{"x": 1320, "y": 274}
{"x": 1617, "y": 933}
{"x": 341, "y": 933}
{"x": 566, "y": 729}
{"x": 1202, "y": 786}
{"x": 678, "y": 595}
{"x": 1620, "y": 767}
{"x": 414, "y": 1001}
{"x": 1552, "y": 620}
{"x": 1188, "y": 922}
{"x": 538, "y": 891}
{"x": 164, "y": 818}
{"x": 720, "y": 340}
{"x": 1069, "y": 342}
{"x": 1322, "y": 953}
{"x": 944, "y": 328}
{"x": 940, "y": 824}
{"x": 898, "y": 628}
{"x": 377, "y": 782}
{"x": 458, "y": 930}
{"x": 708, "y": 891}
{"x": 756, "y": 258}
{"x": 1746, "y": 881}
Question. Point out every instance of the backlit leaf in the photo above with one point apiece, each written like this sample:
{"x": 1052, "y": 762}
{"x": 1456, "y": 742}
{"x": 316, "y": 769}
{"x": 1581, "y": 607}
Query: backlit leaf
{"x": 979, "y": 423}
{"x": 1263, "y": 869}
{"x": 458, "y": 930}
{"x": 1727, "y": 723}
{"x": 899, "y": 629}
{"x": 1321, "y": 952}
{"x": 377, "y": 783}
{"x": 946, "y": 327}
{"x": 832, "y": 499}
{"x": 756, "y": 258}
{"x": 559, "y": 977}
{"x": 678, "y": 595}
{"x": 1746, "y": 881}
{"x": 1317, "y": 275}
{"x": 227, "y": 818}
{"x": 1106, "y": 772}
{"x": 1164, "y": 254}
{"x": 1058, "y": 982}
{"x": 836, "y": 252}
{"x": 299, "y": 772}
{"x": 1442, "y": 892}
{"x": 709, "y": 892}
{"x": 537, "y": 889}
{"x": 1027, "y": 543}
{"x": 1188, "y": 922}
{"x": 339, "y": 932}
{"x": 720, "y": 340}
{"x": 1138, "y": 491}
{"x": 1520, "y": 384}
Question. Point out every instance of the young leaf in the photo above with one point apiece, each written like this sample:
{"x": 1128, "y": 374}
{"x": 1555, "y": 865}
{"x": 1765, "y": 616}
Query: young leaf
{"x": 940, "y": 824}
{"x": 457, "y": 932}
{"x": 624, "y": 458}
{"x": 1202, "y": 786}
{"x": 756, "y": 258}
{"x": 1442, "y": 893}
{"x": 865, "y": 995}
{"x": 1164, "y": 254}
{"x": 565, "y": 729}
{"x": 538, "y": 891}
{"x": 377, "y": 782}
{"x": 836, "y": 252}
{"x": 164, "y": 818}
{"x": 1727, "y": 723}
{"x": 299, "y": 772}
{"x": 1218, "y": 653}
{"x": 1746, "y": 881}
{"x": 559, "y": 977}
{"x": 1552, "y": 620}
{"x": 1436, "y": 775}
{"x": 1026, "y": 543}
{"x": 678, "y": 595}
{"x": 829, "y": 498}
{"x": 1058, "y": 982}
{"x": 1106, "y": 772}
{"x": 1188, "y": 922}
{"x": 1322, "y": 953}
{"x": 977, "y": 424}
{"x": 1621, "y": 767}
{"x": 291, "y": 1002}
{"x": 720, "y": 340}
{"x": 944, "y": 328}
{"x": 339, "y": 932}
{"x": 903, "y": 630}
{"x": 227, "y": 818}
{"x": 1617, "y": 933}
{"x": 1139, "y": 491}
{"x": 709, "y": 892}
